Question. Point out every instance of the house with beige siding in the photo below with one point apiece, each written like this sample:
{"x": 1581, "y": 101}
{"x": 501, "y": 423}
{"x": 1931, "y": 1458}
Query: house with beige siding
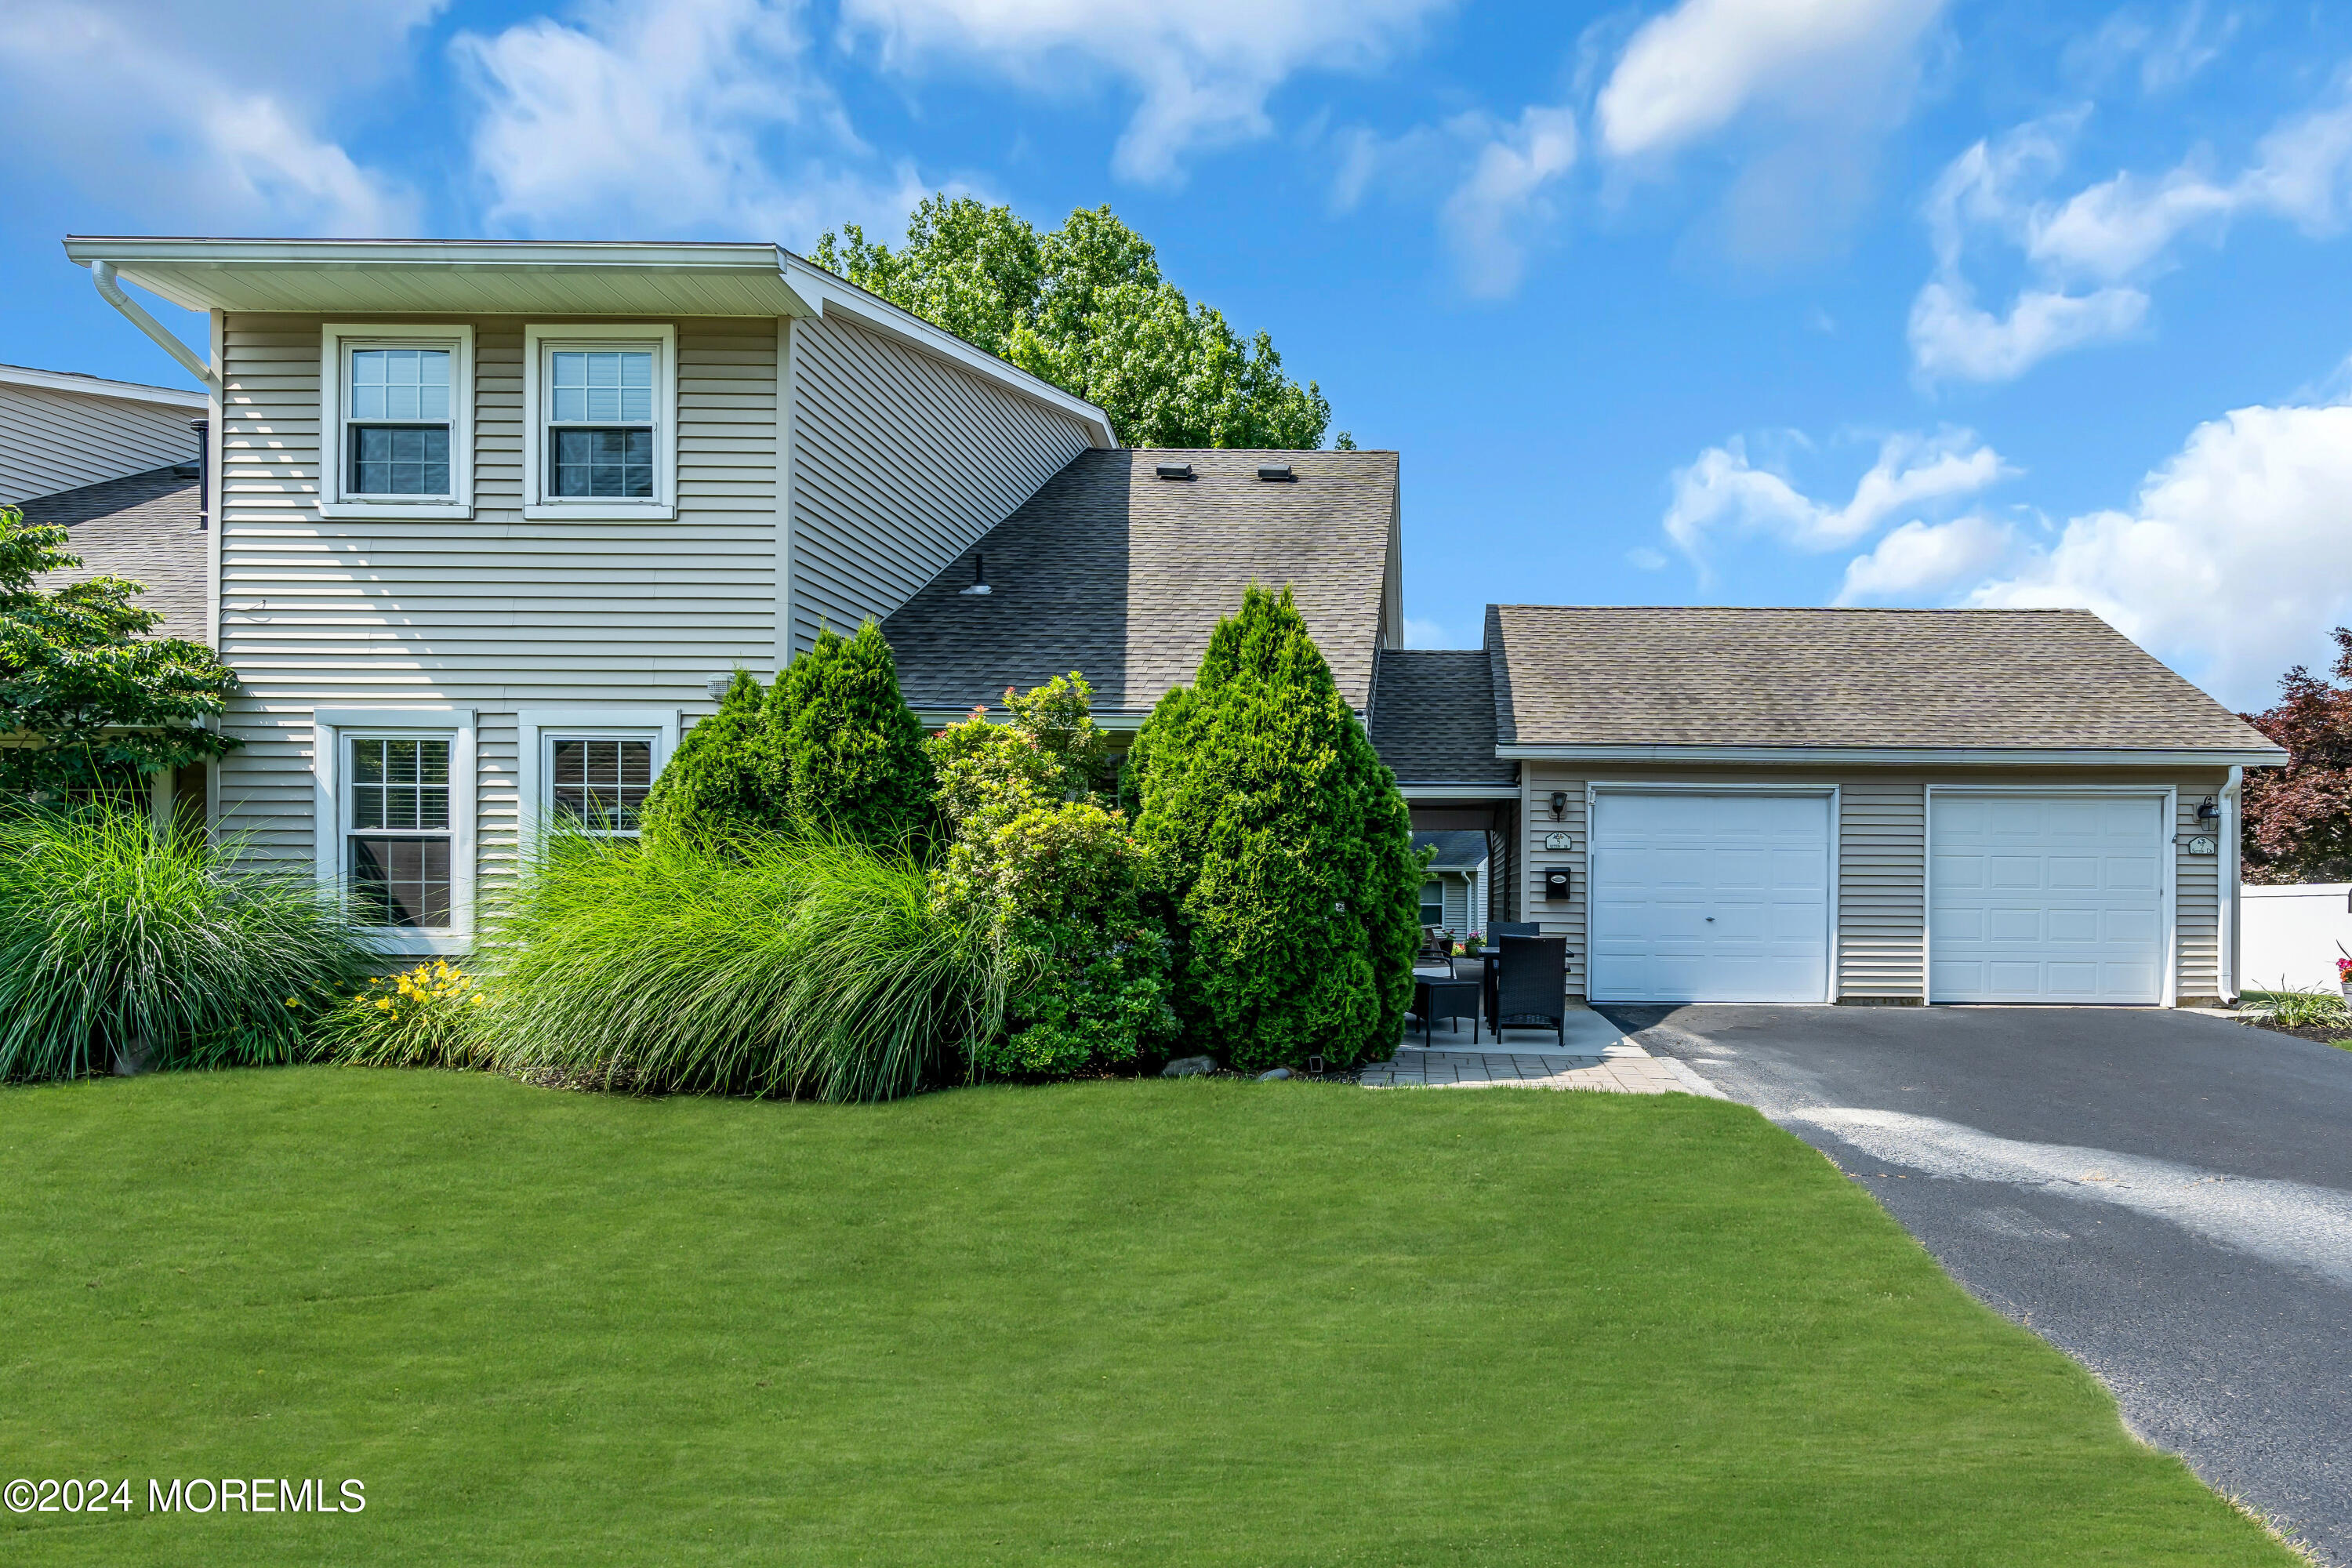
{"x": 492, "y": 524}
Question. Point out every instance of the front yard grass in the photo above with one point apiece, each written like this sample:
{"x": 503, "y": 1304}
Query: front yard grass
{"x": 1148, "y": 1322}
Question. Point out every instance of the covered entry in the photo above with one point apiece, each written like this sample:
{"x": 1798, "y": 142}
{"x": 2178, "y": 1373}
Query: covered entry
{"x": 1710, "y": 895}
{"x": 2048, "y": 895}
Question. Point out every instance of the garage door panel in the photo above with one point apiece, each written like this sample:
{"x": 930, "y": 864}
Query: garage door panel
{"x": 1710, "y": 898}
{"x": 2046, "y": 898}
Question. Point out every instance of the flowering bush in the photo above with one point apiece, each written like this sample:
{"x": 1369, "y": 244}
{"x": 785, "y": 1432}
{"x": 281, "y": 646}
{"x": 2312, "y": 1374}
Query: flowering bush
{"x": 426, "y": 1016}
{"x": 1049, "y": 875}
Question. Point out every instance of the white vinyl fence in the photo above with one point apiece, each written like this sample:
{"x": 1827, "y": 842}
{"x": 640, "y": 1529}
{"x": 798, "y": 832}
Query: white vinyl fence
{"x": 2291, "y": 933}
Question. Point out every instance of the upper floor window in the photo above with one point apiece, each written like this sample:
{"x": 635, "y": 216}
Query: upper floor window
{"x": 604, "y": 407}
{"x": 396, "y": 403}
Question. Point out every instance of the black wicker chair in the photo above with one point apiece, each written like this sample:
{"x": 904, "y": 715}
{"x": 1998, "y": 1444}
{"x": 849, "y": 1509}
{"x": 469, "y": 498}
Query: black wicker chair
{"x": 1531, "y": 984}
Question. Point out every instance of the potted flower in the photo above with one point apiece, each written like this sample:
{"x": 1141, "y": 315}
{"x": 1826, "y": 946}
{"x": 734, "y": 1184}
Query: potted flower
{"x": 2344, "y": 974}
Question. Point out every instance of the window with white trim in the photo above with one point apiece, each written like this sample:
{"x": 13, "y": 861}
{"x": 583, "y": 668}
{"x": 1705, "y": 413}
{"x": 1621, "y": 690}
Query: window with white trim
{"x": 398, "y": 838}
{"x": 396, "y": 403}
{"x": 603, "y": 415}
{"x": 598, "y": 783}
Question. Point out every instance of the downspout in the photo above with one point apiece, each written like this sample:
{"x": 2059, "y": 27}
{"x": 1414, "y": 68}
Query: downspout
{"x": 2232, "y": 875}
{"x": 101, "y": 273}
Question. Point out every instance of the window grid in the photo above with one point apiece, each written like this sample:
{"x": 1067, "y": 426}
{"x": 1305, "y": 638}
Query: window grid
{"x": 398, "y": 421}
{"x": 600, "y": 424}
{"x": 398, "y": 860}
{"x": 601, "y": 782}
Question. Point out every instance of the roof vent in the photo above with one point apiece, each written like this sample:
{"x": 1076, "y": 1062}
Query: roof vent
{"x": 1275, "y": 473}
{"x": 1174, "y": 470}
{"x": 979, "y": 575}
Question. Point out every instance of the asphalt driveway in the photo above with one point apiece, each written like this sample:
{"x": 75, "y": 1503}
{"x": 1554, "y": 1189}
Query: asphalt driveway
{"x": 2165, "y": 1196}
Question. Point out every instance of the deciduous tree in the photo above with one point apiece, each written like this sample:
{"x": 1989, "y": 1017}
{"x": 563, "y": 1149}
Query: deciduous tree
{"x": 2296, "y": 820}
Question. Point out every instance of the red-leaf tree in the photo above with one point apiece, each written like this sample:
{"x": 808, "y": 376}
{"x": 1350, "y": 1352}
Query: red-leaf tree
{"x": 2298, "y": 820}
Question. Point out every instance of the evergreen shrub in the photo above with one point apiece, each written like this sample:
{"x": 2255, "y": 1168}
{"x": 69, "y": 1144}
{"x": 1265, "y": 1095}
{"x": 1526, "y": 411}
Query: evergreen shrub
{"x": 1050, "y": 876}
{"x": 1283, "y": 850}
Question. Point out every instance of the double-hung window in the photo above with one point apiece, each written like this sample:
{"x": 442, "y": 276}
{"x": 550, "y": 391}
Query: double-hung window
{"x": 399, "y": 839}
{"x": 589, "y": 769}
{"x": 398, "y": 408}
{"x": 603, "y": 402}
{"x": 395, "y": 803}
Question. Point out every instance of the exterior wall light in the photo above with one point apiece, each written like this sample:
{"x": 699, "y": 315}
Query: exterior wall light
{"x": 1560, "y": 805}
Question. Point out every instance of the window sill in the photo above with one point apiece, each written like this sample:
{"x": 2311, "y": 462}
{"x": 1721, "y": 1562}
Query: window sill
{"x": 600, "y": 510}
{"x": 403, "y": 942}
{"x": 390, "y": 511}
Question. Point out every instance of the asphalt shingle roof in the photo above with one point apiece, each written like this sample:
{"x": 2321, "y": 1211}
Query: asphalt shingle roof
{"x": 1680, "y": 676}
{"x": 1433, "y": 717}
{"x": 1122, "y": 575}
{"x": 1454, "y": 847}
{"x": 143, "y": 527}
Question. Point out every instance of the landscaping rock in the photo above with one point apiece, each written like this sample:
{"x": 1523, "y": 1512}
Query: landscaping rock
{"x": 1273, "y": 1075}
{"x": 1189, "y": 1067}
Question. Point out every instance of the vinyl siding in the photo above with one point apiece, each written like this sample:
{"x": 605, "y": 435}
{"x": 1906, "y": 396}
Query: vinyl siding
{"x": 52, "y": 441}
{"x": 900, "y": 461}
{"x": 1881, "y": 838}
{"x": 491, "y": 613}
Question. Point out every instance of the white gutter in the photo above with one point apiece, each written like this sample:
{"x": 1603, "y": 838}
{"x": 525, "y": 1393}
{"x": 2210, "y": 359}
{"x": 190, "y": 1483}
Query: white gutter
{"x": 102, "y": 274}
{"x": 2232, "y": 874}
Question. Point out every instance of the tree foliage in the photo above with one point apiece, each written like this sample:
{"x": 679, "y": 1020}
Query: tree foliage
{"x": 1085, "y": 307}
{"x": 1284, "y": 848}
{"x": 2296, "y": 821}
{"x": 1051, "y": 876}
{"x": 88, "y": 699}
{"x": 830, "y": 747}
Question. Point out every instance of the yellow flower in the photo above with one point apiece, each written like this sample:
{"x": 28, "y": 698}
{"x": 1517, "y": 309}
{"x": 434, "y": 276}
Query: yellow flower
{"x": 383, "y": 1004}
{"x": 477, "y": 998}
{"x": 293, "y": 1002}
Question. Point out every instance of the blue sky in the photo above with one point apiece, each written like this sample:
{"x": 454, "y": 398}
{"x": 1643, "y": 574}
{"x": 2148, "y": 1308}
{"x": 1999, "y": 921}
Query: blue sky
{"x": 1748, "y": 302}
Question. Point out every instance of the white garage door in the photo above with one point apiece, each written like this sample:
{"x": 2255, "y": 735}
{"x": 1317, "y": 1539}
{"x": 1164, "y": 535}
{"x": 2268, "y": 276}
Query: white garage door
{"x": 2047, "y": 897}
{"x": 1710, "y": 898}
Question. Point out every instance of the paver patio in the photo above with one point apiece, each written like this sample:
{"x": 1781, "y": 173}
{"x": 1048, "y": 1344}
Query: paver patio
{"x": 1596, "y": 1056}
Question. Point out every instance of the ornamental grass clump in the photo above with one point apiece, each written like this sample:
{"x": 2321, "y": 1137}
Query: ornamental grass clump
{"x": 805, "y": 967}
{"x": 123, "y": 948}
{"x": 429, "y": 1016}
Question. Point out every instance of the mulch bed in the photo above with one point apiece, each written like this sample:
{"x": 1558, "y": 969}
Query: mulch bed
{"x": 2326, "y": 1033}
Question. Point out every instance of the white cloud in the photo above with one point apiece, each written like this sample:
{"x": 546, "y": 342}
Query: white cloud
{"x": 159, "y": 108}
{"x": 2230, "y": 563}
{"x": 2167, "y": 55}
{"x": 1723, "y": 489}
{"x": 1202, "y": 69}
{"x": 1509, "y": 198}
{"x": 1924, "y": 560}
{"x": 668, "y": 117}
{"x": 1642, "y": 558}
{"x": 2091, "y": 255}
{"x": 1692, "y": 71}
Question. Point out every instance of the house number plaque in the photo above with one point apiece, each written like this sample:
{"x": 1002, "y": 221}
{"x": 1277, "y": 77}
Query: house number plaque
{"x": 1558, "y": 841}
{"x": 2202, "y": 845}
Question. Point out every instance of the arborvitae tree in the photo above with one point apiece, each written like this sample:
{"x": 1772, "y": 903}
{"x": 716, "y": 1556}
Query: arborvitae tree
{"x": 728, "y": 776}
{"x": 1284, "y": 849}
{"x": 853, "y": 752}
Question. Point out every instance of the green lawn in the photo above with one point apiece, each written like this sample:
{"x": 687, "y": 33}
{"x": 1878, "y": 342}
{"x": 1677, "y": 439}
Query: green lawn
{"x": 1158, "y": 1322}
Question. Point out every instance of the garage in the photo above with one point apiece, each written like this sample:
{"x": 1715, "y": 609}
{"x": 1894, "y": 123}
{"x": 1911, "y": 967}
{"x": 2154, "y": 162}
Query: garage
{"x": 2048, "y": 896}
{"x": 1704, "y": 896}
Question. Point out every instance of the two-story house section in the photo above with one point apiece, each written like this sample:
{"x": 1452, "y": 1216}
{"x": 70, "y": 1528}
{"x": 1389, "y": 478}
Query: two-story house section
{"x": 495, "y": 520}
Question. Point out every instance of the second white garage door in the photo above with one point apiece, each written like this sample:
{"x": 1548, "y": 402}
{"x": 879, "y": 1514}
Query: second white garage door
{"x": 1709, "y": 897}
{"x": 2047, "y": 897}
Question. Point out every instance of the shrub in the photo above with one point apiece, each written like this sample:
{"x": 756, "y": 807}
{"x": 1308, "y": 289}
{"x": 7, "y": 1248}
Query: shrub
{"x": 429, "y": 1016}
{"x": 831, "y": 746}
{"x": 726, "y": 777}
{"x": 853, "y": 752}
{"x": 1283, "y": 848}
{"x": 1052, "y": 877}
{"x": 121, "y": 945}
{"x": 2295, "y": 1007}
{"x": 786, "y": 966}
